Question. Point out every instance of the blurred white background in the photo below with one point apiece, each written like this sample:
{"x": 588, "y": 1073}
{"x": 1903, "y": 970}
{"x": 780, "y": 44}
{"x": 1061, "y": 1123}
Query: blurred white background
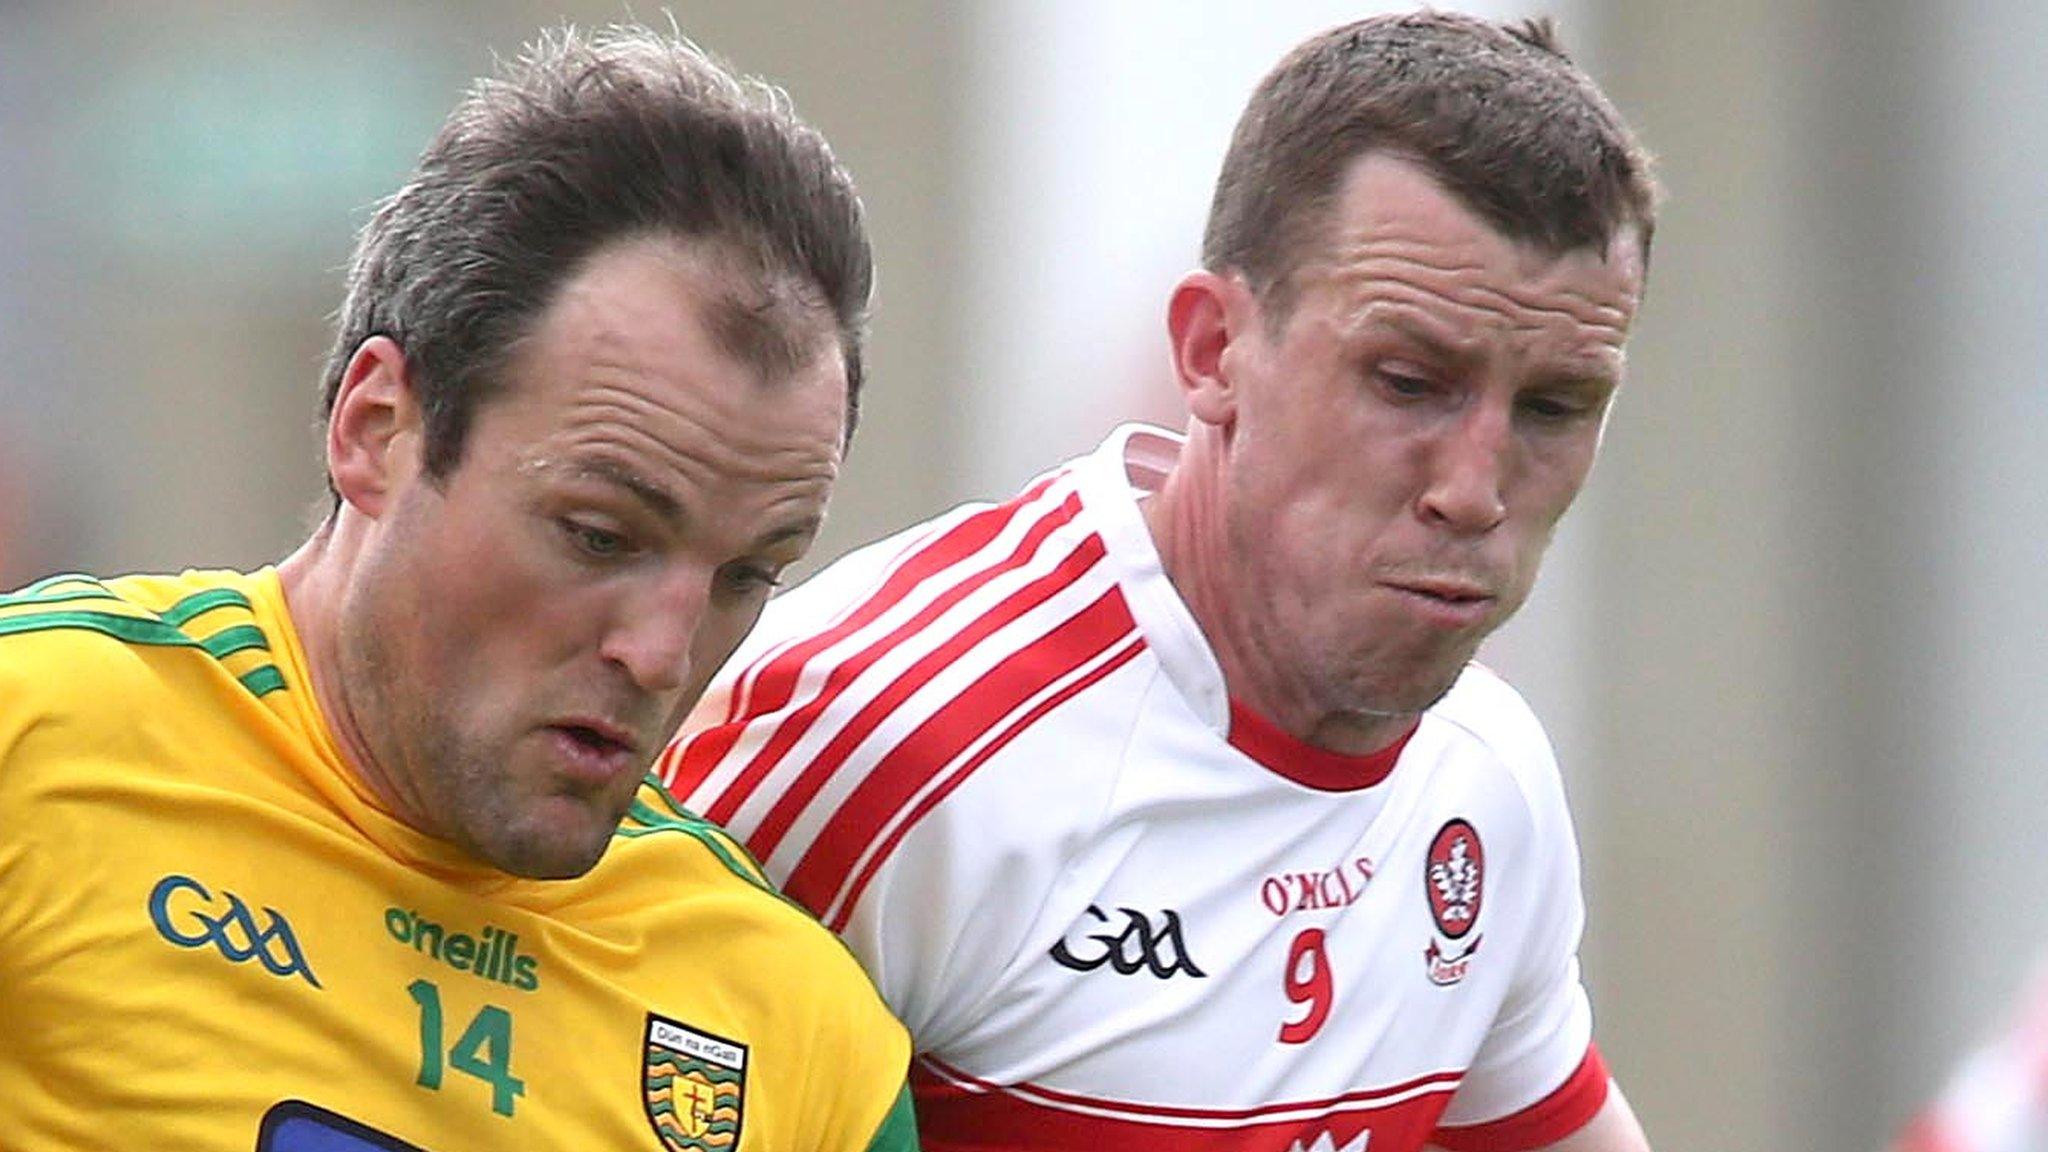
{"x": 1792, "y": 645}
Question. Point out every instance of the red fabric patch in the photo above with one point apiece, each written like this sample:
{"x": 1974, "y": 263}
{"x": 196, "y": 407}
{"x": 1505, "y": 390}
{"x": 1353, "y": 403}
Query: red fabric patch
{"x": 1547, "y": 1121}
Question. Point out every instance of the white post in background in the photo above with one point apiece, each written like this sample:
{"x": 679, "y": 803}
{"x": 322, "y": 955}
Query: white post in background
{"x": 1984, "y": 353}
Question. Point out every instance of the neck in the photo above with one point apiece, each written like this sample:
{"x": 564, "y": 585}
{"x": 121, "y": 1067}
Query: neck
{"x": 316, "y": 579}
{"x": 1190, "y": 527}
{"x": 310, "y": 595}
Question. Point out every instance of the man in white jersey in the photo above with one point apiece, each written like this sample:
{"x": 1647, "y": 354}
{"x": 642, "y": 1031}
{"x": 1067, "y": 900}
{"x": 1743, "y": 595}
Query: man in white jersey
{"x": 1162, "y": 801}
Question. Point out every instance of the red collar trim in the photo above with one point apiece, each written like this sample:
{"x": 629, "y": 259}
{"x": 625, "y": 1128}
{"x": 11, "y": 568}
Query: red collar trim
{"x": 1306, "y": 764}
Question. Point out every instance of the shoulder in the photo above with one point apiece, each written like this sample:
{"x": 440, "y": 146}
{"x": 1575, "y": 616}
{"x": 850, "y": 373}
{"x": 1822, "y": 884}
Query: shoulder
{"x": 96, "y": 631}
{"x": 109, "y": 637}
{"x": 660, "y": 839}
{"x": 1484, "y": 718}
{"x": 686, "y": 872}
{"x": 1489, "y": 710}
{"x": 950, "y": 617}
{"x": 966, "y": 547}
{"x": 712, "y": 920}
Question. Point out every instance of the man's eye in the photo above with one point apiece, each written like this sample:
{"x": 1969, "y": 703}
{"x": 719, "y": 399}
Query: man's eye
{"x": 1406, "y": 386}
{"x": 748, "y": 579}
{"x": 595, "y": 542}
{"x": 1553, "y": 408}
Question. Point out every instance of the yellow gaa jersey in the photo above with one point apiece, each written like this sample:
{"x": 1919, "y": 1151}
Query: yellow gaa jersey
{"x": 213, "y": 938}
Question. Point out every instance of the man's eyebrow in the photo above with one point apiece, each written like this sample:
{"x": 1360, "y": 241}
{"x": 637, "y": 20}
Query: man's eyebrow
{"x": 803, "y": 529}
{"x": 1601, "y": 369}
{"x": 1415, "y": 332}
{"x": 663, "y": 504}
{"x": 658, "y": 499}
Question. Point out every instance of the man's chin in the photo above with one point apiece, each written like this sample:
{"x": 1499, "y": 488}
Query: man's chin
{"x": 550, "y": 864}
{"x": 1411, "y": 699}
{"x": 550, "y": 849}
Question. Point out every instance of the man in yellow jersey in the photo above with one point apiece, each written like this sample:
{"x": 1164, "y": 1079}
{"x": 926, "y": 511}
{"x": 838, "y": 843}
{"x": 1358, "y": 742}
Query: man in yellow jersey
{"x": 356, "y": 852}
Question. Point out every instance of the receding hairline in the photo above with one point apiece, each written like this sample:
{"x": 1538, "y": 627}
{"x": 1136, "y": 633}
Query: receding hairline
{"x": 1314, "y": 220}
{"x": 1318, "y": 214}
{"x": 769, "y": 321}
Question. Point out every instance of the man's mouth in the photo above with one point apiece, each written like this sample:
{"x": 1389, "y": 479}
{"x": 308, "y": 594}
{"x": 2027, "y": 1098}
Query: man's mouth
{"x": 598, "y": 739}
{"x": 596, "y": 748}
{"x": 1448, "y": 590}
{"x": 1448, "y": 601}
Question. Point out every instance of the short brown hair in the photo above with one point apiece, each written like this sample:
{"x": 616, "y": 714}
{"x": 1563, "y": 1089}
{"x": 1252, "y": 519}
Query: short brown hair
{"x": 585, "y": 141}
{"x": 1497, "y": 113}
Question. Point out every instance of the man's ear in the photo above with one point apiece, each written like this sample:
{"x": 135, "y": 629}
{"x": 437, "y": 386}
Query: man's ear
{"x": 1205, "y": 317}
{"x": 375, "y": 439}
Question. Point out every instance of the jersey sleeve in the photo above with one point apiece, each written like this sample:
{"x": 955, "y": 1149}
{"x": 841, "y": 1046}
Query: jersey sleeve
{"x": 55, "y": 625}
{"x": 18, "y": 712}
{"x": 898, "y": 1132}
{"x": 876, "y": 746}
{"x": 858, "y": 1078}
{"x": 887, "y": 835}
{"x": 800, "y": 758}
{"x": 1537, "y": 1076}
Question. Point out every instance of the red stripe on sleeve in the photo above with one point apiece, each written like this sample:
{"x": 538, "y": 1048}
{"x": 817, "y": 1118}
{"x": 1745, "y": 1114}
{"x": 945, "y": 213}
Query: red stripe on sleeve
{"x": 1547, "y": 1121}
{"x": 960, "y": 774}
{"x": 775, "y": 678}
{"x": 769, "y": 684}
{"x": 776, "y": 685}
{"x": 932, "y": 745}
{"x": 811, "y": 779}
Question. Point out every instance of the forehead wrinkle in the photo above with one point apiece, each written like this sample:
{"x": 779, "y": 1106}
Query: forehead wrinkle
{"x": 1382, "y": 279}
{"x": 598, "y": 455}
{"x": 1606, "y": 322}
{"x": 612, "y": 435}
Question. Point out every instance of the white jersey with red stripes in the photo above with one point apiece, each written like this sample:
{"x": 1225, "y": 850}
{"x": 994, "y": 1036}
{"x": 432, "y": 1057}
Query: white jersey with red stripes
{"x": 996, "y": 754}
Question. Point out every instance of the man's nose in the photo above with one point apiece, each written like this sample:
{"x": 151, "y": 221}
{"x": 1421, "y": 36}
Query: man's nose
{"x": 1466, "y": 489}
{"x": 656, "y": 630}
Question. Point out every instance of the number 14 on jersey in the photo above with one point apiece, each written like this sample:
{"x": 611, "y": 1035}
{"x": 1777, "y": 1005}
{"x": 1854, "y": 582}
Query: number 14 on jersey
{"x": 484, "y": 1050}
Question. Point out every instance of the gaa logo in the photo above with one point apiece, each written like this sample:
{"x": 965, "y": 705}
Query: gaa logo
{"x": 1137, "y": 947}
{"x": 189, "y": 916}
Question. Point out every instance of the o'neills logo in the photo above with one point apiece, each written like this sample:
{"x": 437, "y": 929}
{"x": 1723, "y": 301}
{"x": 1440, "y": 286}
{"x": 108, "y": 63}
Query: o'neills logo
{"x": 1318, "y": 891}
{"x": 492, "y": 954}
{"x": 1455, "y": 880}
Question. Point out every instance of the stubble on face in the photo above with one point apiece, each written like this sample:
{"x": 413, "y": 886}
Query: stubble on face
{"x": 1323, "y": 666}
{"x": 1408, "y": 433}
{"x": 508, "y": 675}
{"x": 440, "y": 779}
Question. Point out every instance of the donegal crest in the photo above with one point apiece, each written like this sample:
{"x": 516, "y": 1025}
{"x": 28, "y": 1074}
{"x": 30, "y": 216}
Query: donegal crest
{"x": 695, "y": 1086}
